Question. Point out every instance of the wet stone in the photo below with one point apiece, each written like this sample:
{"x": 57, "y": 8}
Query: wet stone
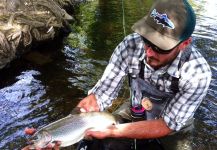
{"x": 25, "y": 22}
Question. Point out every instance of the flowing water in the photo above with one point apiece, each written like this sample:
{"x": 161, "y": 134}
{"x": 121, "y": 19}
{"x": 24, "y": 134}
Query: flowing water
{"x": 45, "y": 84}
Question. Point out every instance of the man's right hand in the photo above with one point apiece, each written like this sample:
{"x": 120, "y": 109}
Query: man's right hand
{"x": 88, "y": 104}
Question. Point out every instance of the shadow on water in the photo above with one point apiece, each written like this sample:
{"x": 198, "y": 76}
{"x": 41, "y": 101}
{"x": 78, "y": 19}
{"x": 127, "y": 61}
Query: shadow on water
{"x": 35, "y": 92}
{"x": 45, "y": 84}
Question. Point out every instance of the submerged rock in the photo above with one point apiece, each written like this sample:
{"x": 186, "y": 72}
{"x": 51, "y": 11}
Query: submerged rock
{"x": 38, "y": 58}
{"x": 25, "y": 22}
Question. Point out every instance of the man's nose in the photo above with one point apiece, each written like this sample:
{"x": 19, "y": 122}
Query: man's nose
{"x": 149, "y": 52}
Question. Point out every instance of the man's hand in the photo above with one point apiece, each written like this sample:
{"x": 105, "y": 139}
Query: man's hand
{"x": 147, "y": 129}
{"x": 49, "y": 147}
{"x": 53, "y": 146}
{"x": 91, "y": 133}
{"x": 88, "y": 104}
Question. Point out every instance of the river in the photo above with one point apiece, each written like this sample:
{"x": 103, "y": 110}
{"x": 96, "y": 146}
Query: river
{"x": 45, "y": 84}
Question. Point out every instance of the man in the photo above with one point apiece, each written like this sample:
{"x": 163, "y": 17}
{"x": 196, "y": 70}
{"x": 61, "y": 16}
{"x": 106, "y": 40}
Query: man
{"x": 168, "y": 78}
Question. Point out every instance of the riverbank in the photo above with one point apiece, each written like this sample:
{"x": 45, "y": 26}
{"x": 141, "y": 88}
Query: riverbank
{"x": 25, "y": 23}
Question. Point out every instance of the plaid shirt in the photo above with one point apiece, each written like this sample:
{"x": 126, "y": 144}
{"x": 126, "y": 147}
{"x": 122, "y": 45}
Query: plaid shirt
{"x": 194, "y": 79}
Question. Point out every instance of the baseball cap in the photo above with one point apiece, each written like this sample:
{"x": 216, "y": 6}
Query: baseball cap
{"x": 167, "y": 24}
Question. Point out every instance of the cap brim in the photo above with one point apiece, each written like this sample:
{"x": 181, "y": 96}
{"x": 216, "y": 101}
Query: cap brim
{"x": 162, "y": 41}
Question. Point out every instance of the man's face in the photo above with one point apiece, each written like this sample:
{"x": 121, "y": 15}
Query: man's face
{"x": 157, "y": 60}
{"x": 157, "y": 57}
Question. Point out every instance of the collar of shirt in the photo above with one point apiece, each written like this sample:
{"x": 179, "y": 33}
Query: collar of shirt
{"x": 171, "y": 69}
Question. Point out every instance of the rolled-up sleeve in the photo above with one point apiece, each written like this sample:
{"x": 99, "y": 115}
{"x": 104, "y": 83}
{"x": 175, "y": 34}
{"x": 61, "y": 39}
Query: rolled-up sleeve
{"x": 109, "y": 85}
{"x": 124, "y": 60}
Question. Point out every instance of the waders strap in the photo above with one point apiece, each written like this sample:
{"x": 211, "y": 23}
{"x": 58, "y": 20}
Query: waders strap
{"x": 175, "y": 81}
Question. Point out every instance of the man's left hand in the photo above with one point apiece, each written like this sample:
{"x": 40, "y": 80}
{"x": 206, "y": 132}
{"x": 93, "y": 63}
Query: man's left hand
{"x": 109, "y": 132}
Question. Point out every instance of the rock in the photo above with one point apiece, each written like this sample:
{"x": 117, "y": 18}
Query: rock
{"x": 25, "y": 22}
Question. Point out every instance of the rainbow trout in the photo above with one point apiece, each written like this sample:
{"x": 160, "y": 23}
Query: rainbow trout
{"x": 71, "y": 129}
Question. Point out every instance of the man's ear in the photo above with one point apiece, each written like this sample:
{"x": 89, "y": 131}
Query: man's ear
{"x": 185, "y": 43}
{"x": 188, "y": 41}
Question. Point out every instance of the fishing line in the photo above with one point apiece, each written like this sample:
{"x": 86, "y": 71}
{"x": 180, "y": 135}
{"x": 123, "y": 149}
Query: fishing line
{"x": 123, "y": 18}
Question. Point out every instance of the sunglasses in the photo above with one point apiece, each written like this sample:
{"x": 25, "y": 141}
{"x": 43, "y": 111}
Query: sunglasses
{"x": 156, "y": 48}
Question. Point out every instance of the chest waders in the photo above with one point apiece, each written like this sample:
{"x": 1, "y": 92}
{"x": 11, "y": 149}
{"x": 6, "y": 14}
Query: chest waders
{"x": 146, "y": 101}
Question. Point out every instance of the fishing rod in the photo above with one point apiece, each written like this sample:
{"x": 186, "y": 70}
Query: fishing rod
{"x": 123, "y": 18}
{"x": 157, "y": 141}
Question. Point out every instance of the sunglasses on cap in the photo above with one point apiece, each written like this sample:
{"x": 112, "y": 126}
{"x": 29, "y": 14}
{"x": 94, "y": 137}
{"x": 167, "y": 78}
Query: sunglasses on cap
{"x": 156, "y": 48}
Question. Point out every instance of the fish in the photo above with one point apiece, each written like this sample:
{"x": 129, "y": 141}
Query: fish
{"x": 162, "y": 19}
{"x": 71, "y": 129}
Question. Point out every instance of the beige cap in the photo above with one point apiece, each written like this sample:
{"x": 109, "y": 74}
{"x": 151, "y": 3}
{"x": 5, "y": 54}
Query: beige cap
{"x": 167, "y": 23}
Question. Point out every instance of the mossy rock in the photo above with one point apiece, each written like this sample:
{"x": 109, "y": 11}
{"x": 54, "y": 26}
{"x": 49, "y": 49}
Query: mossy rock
{"x": 25, "y": 22}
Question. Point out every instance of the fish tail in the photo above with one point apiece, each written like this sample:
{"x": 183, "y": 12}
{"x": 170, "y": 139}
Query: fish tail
{"x": 154, "y": 13}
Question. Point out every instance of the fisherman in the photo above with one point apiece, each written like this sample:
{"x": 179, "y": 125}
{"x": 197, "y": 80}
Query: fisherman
{"x": 168, "y": 78}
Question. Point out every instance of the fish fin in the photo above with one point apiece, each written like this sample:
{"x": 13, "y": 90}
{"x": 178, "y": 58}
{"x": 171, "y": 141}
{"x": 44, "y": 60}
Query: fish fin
{"x": 119, "y": 119}
{"x": 75, "y": 110}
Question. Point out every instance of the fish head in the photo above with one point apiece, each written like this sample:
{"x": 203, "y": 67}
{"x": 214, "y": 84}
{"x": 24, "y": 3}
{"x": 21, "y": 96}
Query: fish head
{"x": 40, "y": 139}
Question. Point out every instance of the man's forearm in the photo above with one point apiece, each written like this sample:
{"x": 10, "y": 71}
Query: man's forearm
{"x": 142, "y": 130}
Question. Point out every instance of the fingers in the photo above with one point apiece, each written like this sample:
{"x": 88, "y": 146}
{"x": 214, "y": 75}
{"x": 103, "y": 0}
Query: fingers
{"x": 29, "y": 148}
{"x": 51, "y": 146}
{"x": 83, "y": 110}
{"x": 76, "y": 110}
{"x": 89, "y": 138}
{"x": 88, "y": 109}
{"x": 57, "y": 145}
{"x": 95, "y": 134}
{"x": 29, "y": 131}
{"x": 88, "y": 104}
{"x": 100, "y": 134}
{"x": 25, "y": 148}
